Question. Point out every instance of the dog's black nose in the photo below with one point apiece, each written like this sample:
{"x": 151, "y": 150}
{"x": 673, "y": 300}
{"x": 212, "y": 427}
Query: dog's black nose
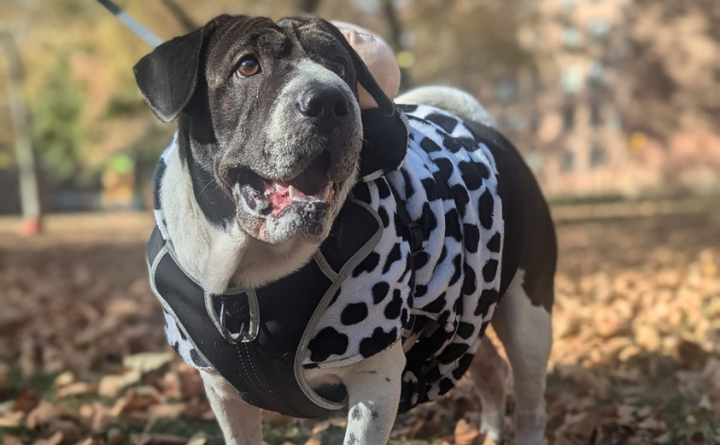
{"x": 324, "y": 103}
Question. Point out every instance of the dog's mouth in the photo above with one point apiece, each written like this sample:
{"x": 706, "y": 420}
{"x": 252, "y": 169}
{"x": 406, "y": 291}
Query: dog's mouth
{"x": 273, "y": 197}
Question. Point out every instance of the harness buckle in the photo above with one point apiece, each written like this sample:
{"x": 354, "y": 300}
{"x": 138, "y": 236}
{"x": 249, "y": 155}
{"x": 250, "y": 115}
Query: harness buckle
{"x": 416, "y": 238}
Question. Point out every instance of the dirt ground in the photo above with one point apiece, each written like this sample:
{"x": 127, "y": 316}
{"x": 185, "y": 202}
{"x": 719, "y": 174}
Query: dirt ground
{"x": 636, "y": 358}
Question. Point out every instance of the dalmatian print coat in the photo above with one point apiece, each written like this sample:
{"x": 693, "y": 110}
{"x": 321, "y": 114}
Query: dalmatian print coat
{"x": 448, "y": 183}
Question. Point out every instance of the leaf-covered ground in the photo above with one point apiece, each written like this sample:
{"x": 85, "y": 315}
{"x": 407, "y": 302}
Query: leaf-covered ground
{"x": 636, "y": 358}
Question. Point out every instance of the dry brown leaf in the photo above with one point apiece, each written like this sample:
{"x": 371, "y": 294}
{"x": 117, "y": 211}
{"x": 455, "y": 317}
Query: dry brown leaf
{"x": 11, "y": 440}
{"x": 156, "y": 439}
{"x": 64, "y": 379}
{"x": 652, "y": 424}
{"x": 198, "y": 439}
{"x": 55, "y": 439}
{"x": 166, "y": 410}
{"x": 111, "y": 385}
{"x": 276, "y": 419}
{"x": 27, "y": 401}
{"x": 11, "y": 419}
{"x": 465, "y": 434}
{"x": 43, "y": 414}
{"x": 147, "y": 361}
{"x": 115, "y": 436}
{"x": 77, "y": 389}
{"x": 132, "y": 401}
{"x": 577, "y": 429}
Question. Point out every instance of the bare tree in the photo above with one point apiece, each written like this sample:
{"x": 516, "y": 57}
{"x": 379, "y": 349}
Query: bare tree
{"x": 395, "y": 39}
{"x": 180, "y": 15}
{"x": 29, "y": 195}
{"x": 308, "y": 6}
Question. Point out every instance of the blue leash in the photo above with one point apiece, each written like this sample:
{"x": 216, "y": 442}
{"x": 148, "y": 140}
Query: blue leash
{"x": 135, "y": 26}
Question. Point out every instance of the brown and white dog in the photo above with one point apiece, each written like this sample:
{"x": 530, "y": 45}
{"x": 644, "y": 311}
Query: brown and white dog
{"x": 264, "y": 105}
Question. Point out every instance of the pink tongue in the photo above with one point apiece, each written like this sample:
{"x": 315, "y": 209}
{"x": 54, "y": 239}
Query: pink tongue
{"x": 280, "y": 201}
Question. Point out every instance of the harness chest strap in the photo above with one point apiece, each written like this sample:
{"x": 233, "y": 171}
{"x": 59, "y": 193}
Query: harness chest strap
{"x": 257, "y": 339}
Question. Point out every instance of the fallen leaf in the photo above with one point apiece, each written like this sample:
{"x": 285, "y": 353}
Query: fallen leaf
{"x": 147, "y": 361}
{"x": 55, "y": 439}
{"x": 42, "y": 414}
{"x": 156, "y": 439}
{"x": 199, "y": 438}
{"x": 111, "y": 385}
{"x": 64, "y": 379}
{"x": 76, "y": 389}
{"x": 12, "y": 419}
{"x": 166, "y": 410}
{"x": 27, "y": 401}
{"x": 11, "y": 440}
{"x": 465, "y": 434}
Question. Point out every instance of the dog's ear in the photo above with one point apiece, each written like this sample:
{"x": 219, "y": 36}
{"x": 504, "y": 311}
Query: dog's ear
{"x": 167, "y": 76}
{"x": 364, "y": 77}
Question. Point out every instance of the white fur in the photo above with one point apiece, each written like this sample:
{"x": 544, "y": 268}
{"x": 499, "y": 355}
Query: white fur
{"x": 489, "y": 371}
{"x": 214, "y": 256}
{"x": 526, "y": 332}
{"x": 450, "y": 99}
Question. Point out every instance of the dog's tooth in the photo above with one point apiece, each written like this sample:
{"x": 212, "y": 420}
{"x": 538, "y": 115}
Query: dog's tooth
{"x": 291, "y": 192}
{"x": 326, "y": 195}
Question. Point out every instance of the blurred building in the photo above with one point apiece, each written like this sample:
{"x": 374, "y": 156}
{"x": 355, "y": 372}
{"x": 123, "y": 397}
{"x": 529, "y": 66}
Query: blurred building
{"x": 578, "y": 116}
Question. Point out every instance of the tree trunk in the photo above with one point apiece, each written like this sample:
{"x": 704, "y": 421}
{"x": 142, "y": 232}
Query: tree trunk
{"x": 29, "y": 195}
{"x": 308, "y": 6}
{"x": 180, "y": 15}
{"x": 395, "y": 39}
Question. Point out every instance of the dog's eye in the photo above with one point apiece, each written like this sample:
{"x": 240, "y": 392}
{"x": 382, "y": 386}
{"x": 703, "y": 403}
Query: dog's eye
{"x": 249, "y": 66}
{"x": 338, "y": 68}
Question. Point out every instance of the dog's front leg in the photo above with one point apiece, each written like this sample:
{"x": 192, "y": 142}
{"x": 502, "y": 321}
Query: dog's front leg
{"x": 241, "y": 423}
{"x": 373, "y": 387}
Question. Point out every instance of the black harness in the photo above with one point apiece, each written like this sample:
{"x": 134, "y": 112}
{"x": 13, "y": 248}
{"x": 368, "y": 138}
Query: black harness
{"x": 257, "y": 338}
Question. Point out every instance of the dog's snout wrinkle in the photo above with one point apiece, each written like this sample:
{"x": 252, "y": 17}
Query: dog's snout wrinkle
{"x": 324, "y": 104}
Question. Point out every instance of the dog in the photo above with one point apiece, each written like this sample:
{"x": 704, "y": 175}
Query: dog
{"x": 279, "y": 200}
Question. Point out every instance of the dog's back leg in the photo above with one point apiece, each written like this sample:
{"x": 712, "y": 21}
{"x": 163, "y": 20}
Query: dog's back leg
{"x": 489, "y": 371}
{"x": 526, "y": 333}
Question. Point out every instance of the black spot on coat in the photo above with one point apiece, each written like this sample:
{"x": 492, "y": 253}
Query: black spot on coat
{"x": 354, "y": 313}
{"x": 392, "y": 310}
{"x": 472, "y": 237}
{"x": 367, "y": 265}
{"x": 380, "y": 291}
{"x": 445, "y": 122}
{"x": 377, "y": 342}
{"x": 333, "y": 342}
{"x": 392, "y": 257}
{"x": 486, "y": 206}
{"x": 489, "y": 270}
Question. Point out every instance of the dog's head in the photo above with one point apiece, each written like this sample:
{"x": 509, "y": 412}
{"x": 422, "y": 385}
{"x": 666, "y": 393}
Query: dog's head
{"x": 271, "y": 113}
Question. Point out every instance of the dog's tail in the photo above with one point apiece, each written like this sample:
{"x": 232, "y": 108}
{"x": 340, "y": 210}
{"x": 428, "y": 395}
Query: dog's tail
{"x": 450, "y": 99}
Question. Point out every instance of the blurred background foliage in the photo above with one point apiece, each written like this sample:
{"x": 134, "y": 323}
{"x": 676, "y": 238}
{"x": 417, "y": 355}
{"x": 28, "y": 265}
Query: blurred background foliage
{"x": 649, "y": 71}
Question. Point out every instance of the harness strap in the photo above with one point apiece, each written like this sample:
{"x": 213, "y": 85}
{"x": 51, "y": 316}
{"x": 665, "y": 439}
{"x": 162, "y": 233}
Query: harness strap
{"x": 257, "y": 339}
{"x": 414, "y": 235}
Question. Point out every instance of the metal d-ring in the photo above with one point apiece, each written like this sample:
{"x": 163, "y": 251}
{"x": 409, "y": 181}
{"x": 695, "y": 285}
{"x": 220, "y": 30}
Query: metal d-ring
{"x": 224, "y": 331}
